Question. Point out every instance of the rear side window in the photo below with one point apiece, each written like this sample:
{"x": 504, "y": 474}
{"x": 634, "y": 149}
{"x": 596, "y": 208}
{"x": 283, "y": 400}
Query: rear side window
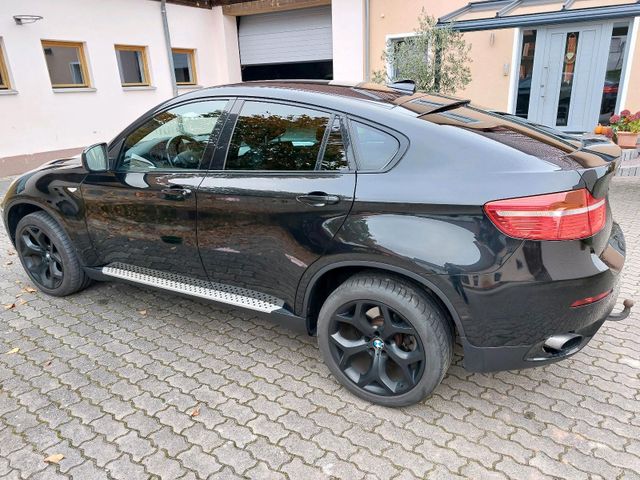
{"x": 375, "y": 148}
{"x": 277, "y": 137}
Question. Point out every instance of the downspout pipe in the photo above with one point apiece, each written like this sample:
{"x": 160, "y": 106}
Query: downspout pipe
{"x": 367, "y": 37}
{"x": 167, "y": 41}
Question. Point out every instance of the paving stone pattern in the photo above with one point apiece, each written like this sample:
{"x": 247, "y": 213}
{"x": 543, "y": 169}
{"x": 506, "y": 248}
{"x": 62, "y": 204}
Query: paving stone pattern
{"x": 130, "y": 383}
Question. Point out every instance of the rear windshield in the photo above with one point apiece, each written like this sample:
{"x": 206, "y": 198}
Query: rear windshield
{"x": 541, "y": 142}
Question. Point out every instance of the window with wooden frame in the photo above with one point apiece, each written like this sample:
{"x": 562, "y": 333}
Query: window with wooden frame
{"x": 184, "y": 66}
{"x": 133, "y": 65}
{"x": 4, "y": 73}
{"x": 67, "y": 64}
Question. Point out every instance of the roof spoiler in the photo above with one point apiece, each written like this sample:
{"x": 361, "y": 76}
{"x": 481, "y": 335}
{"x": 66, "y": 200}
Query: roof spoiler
{"x": 404, "y": 86}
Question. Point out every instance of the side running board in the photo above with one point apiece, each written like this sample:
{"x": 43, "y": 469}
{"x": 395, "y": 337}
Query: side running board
{"x": 217, "y": 292}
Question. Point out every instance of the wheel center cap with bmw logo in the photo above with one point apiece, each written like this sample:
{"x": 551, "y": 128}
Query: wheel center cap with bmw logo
{"x": 378, "y": 344}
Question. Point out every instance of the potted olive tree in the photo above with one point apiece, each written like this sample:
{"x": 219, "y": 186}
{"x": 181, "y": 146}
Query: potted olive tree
{"x": 626, "y": 128}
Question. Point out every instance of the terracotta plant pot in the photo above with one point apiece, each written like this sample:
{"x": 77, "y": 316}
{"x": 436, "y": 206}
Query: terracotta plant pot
{"x": 627, "y": 139}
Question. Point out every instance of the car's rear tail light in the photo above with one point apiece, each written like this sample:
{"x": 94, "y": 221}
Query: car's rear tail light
{"x": 589, "y": 300}
{"x": 555, "y": 216}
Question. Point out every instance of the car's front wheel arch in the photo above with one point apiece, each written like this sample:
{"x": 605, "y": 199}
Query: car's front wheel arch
{"x": 48, "y": 255}
{"x": 17, "y": 212}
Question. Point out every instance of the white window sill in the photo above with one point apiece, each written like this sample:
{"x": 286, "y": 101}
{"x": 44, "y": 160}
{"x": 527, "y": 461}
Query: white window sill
{"x": 11, "y": 91}
{"x": 189, "y": 87}
{"x": 133, "y": 88}
{"x": 74, "y": 90}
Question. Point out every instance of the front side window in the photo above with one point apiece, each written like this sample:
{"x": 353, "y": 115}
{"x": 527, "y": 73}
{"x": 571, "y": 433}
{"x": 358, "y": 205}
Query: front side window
{"x": 174, "y": 139}
{"x": 375, "y": 148}
{"x": 184, "y": 66}
{"x": 4, "y": 75}
{"x": 132, "y": 65}
{"x": 277, "y": 137}
{"x": 66, "y": 63}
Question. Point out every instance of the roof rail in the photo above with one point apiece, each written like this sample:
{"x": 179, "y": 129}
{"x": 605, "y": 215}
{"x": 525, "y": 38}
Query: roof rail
{"x": 405, "y": 86}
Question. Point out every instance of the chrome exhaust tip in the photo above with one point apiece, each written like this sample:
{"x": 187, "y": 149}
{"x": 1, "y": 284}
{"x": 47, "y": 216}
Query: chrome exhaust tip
{"x": 563, "y": 343}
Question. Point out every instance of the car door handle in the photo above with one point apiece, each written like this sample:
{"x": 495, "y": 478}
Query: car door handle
{"x": 318, "y": 199}
{"x": 176, "y": 193}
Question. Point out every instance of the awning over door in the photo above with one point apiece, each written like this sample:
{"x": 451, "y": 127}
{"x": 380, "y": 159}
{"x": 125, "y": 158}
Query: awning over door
{"x": 302, "y": 35}
{"x": 495, "y": 14}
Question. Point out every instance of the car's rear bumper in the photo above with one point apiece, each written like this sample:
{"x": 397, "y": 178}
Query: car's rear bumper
{"x": 514, "y": 324}
{"x": 491, "y": 359}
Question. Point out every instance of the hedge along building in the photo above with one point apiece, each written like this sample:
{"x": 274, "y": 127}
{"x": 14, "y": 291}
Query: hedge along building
{"x": 566, "y": 64}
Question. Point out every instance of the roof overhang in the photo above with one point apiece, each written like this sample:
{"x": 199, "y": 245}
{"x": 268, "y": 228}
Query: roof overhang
{"x": 208, "y": 4}
{"x": 593, "y": 14}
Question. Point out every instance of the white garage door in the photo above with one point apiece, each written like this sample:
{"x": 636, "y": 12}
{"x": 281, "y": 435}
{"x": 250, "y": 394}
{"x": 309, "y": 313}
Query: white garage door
{"x": 285, "y": 37}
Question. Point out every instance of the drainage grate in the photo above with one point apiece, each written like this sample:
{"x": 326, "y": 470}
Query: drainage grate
{"x": 218, "y": 292}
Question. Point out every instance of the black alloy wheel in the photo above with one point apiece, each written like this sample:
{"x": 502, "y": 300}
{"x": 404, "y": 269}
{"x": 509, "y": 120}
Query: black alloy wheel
{"x": 48, "y": 256}
{"x": 41, "y": 257}
{"x": 376, "y": 347}
{"x": 385, "y": 339}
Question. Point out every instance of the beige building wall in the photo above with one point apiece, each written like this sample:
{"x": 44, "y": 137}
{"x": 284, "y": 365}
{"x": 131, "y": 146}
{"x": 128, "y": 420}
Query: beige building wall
{"x": 492, "y": 53}
{"x": 390, "y": 17}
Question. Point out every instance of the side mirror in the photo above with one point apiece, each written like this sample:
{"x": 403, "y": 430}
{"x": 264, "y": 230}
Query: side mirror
{"x": 95, "y": 158}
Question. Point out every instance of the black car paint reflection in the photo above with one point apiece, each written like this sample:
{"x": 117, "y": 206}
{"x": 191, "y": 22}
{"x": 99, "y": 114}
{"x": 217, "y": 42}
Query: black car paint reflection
{"x": 421, "y": 216}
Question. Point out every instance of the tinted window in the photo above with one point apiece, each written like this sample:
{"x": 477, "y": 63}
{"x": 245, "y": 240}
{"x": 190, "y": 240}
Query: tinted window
{"x": 611, "y": 87}
{"x": 175, "y": 138}
{"x": 335, "y": 157}
{"x": 526, "y": 72}
{"x": 375, "y": 148}
{"x": 4, "y": 80}
{"x": 66, "y": 64}
{"x": 183, "y": 65}
{"x": 271, "y": 136}
{"x": 132, "y": 64}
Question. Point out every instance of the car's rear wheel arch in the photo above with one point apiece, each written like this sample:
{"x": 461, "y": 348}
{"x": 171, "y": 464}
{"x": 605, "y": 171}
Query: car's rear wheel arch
{"x": 328, "y": 278}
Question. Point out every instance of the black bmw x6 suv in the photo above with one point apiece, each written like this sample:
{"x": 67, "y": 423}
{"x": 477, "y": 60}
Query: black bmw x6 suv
{"x": 384, "y": 221}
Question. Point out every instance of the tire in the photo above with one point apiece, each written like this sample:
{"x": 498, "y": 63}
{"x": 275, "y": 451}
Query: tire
{"x": 401, "y": 308}
{"x": 38, "y": 232}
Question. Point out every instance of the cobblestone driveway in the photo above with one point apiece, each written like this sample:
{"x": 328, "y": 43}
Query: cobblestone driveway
{"x": 130, "y": 383}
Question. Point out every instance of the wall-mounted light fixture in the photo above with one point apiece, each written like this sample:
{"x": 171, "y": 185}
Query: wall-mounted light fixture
{"x": 24, "y": 19}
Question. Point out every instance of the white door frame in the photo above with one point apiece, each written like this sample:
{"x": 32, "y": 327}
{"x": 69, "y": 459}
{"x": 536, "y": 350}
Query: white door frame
{"x": 542, "y": 84}
{"x": 625, "y": 77}
{"x": 633, "y": 33}
{"x": 514, "y": 72}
